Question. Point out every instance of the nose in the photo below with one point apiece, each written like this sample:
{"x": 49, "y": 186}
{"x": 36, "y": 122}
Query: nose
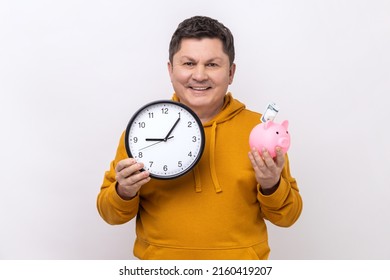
{"x": 199, "y": 73}
{"x": 284, "y": 142}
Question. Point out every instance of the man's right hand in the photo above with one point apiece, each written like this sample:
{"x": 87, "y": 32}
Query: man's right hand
{"x": 129, "y": 178}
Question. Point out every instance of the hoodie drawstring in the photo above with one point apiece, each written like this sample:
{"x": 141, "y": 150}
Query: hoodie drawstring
{"x": 212, "y": 159}
{"x": 198, "y": 186}
{"x": 196, "y": 172}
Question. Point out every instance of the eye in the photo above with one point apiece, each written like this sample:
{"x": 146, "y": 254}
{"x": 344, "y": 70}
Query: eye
{"x": 286, "y": 131}
{"x": 277, "y": 132}
{"x": 189, "y": 63}
{"x": 212, "y": 64}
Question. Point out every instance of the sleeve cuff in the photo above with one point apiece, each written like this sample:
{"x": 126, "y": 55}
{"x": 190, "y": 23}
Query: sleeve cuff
{"x": 275, "y": 199}
{"x": 120, "y": 202}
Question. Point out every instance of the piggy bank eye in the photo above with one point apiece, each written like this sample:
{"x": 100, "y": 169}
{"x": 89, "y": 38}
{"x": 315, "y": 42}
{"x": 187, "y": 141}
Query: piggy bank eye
{"x": 287, "y": 131}
{"x": 277, "y": 132}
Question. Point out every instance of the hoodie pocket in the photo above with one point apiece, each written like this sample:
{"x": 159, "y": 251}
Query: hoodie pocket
{"x": 153, "y": 252}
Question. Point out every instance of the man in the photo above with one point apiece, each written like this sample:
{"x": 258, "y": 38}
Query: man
{"x": 218, "y": 210}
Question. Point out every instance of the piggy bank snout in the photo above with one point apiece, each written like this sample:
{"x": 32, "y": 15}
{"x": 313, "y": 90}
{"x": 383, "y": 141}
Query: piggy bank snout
{"x": 284, "y": 142}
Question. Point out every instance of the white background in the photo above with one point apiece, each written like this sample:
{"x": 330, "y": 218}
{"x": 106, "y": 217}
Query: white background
{"x": 72, "y": 73}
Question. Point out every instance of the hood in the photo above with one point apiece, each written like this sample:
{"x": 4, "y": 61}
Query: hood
{"x": 231, "y": 107}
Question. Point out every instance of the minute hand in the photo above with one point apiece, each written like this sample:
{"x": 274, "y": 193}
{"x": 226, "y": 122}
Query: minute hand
{"x": 173, "y": 127}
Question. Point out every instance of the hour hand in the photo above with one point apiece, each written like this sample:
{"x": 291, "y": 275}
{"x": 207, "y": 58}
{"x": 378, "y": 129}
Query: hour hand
{"x": 154, "y": 139}
{"x": 157, "y": 141}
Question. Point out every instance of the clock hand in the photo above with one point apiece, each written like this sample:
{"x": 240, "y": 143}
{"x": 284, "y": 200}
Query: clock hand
{"x": 166, "y": 137}
{"x": 169, "y": 133}
{"x": 162, "y": 140}
{"x": 154, "y": 139}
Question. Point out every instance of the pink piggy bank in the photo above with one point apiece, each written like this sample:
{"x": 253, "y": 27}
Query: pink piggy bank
{"x": 270, "y": 135}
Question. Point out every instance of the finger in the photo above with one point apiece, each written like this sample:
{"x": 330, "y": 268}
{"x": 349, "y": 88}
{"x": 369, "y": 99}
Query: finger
{"x": 268, "y": 160}
{"x": 124, "y": 164}
{"x": 256, "y": 160}
{"x": 136, "y": 180}
{"x": 279, "y": 157}
{"x": 130, "y": 170}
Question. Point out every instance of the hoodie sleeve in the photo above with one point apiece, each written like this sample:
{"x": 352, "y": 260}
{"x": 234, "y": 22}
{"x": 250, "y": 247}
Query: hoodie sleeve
{"x": 284, "y": 206}
{"x": 112, "y": 208}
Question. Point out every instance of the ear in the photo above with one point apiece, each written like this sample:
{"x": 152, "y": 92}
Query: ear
{"x": 285, "y": 124}
{"x": 268, "y": 124}
{"x": 232, "y": 70}
{"x": 170, "y": 66}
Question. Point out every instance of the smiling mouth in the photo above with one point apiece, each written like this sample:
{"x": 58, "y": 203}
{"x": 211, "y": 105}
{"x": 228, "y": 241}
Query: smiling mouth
{"x": 199, "y": 88}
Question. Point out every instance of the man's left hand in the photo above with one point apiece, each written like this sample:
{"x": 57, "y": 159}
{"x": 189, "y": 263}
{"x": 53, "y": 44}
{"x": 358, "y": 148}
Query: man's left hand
{"x": 266, "y": 168}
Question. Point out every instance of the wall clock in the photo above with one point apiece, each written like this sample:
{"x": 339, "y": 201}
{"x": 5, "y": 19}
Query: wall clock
{"x": 167, "y": 137}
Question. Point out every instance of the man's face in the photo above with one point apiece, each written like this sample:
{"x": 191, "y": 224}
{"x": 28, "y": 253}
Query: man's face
{"x": 200, "y": 74}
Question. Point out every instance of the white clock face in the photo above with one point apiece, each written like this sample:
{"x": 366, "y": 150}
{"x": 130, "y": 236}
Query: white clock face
{"x": 167, "y": 137}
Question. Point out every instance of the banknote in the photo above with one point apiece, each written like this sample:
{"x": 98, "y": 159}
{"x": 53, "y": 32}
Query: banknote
{"x": 270, "y": 112}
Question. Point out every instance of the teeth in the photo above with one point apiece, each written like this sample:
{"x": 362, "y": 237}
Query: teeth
{"x": 200, "y": 88}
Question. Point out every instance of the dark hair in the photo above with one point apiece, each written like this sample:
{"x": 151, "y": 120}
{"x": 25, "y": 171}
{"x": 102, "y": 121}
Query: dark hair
{"x": 202, "y": 27}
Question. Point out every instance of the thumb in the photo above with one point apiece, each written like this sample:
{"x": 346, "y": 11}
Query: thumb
{"x": 279, "y": 157}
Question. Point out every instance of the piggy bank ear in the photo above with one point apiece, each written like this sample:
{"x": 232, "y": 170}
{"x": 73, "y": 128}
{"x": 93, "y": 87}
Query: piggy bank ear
{"x": 268, "y": 124}
{"x": 285, "y": 124}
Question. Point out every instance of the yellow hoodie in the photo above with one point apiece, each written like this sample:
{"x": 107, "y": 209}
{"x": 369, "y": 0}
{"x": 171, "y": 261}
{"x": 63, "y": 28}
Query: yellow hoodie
{"x": 216, "y": 211}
